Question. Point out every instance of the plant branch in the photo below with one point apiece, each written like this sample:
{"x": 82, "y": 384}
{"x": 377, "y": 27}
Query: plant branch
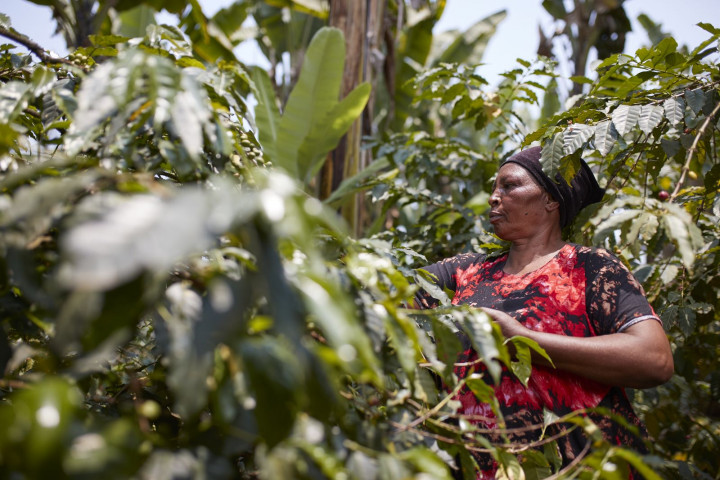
{"x": 32, "y": 46}
{"x": 691, "y": 152}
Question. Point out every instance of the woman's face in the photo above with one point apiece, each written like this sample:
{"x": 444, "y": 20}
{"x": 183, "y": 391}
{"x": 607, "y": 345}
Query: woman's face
{"x": 518, "y": 204}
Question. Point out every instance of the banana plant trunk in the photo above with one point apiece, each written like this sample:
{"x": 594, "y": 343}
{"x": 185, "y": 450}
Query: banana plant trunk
{"x": 361, "y": 23}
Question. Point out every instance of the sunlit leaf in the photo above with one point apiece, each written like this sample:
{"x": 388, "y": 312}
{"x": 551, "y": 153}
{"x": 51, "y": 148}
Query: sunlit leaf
{"x": 315, "y": 94}
{"x": 674, "y": 110}
{"x": 552, "y": 154}
{"x": 267, "y": 114}
{"x": 576, "y": 136}
{"x": 650, "y": 117}
{"x": 605, "y": 136}
{"x": 625, "y": 117}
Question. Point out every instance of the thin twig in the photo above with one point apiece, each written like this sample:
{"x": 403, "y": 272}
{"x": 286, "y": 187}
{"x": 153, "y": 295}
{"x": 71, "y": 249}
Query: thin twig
{"x": 32, "y": 46}
{"x": 691, "y": 152}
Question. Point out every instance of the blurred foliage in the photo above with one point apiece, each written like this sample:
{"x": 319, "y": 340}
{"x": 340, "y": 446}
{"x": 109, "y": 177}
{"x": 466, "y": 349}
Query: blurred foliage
{"x": 174, "y": 305}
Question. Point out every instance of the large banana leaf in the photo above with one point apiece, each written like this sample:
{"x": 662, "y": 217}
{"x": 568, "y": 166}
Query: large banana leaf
{"x": 315, "y": 93}
{"x": 313, "y": 121}
{"x": 267, "y": 115}
{"x": 325, "y": 135}
{"x": 468, "y": 46}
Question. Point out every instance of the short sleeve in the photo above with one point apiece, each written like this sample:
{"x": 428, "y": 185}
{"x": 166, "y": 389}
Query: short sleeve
{"x": 615, "y": 300}
{"x": 444, "y": 276}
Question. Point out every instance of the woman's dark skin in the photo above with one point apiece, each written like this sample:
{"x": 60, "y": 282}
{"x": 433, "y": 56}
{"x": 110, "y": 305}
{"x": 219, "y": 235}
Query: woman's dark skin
{"x": 522, "y": 213}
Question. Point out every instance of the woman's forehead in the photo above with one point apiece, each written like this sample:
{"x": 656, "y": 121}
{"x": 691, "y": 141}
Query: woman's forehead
{"x": 513, "y": 170}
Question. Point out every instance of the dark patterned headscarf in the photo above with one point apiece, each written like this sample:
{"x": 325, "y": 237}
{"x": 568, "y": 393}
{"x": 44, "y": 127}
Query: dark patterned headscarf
{"x": 582, "y": 191}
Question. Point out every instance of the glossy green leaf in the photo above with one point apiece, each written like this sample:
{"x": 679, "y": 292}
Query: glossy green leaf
{"x": 576, "y": 136}
{"x": 605, "y": 136}
{"x": 674, "y": 110}
{"x": 552, "y": 154}
{"x": 625, "y": 117}
{"x": 650, "y": 117}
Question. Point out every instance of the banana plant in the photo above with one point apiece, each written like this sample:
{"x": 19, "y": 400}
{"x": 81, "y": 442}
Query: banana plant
{"x": 314, "y": 119}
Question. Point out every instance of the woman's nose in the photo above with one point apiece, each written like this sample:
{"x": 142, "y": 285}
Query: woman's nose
{"x": 494, "y": 198}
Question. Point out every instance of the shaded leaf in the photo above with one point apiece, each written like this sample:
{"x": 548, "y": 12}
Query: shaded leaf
{"x": 695, "y": 99}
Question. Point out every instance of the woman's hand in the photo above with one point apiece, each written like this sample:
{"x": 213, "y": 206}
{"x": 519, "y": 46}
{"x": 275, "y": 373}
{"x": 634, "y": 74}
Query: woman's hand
{"x": 638, "y": 357}
{"x": 509, "y": 326}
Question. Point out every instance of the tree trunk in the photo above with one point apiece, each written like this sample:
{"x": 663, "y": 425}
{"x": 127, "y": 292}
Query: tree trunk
{"x": 361, "y": 23}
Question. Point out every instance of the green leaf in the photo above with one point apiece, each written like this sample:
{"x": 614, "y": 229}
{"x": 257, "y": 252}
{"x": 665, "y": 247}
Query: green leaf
{"x": 581, "y": 79}
{"x": 479, "y": 328}
{"x": 712, "y": 178}
{"x": 636, "y": 461}
{"x": 134, "y": 22}
{"x": 318, "y": 8}
{"x": 709, "y": 28}
{"x": 552, "y": 153}
{"x": 674, "y": 110}
{"x": 556, "y": 8}
{"x": 325, "y": 135}
{"x": 185, "y": 62}
{"x": 508, "y": 466}
{"x": 276, "y": 379}
{"x": 469, "y": 46}
{"x": 650, "y": 117}
{"x": 625, "y": 117}
{"x": 267, "y": 114}
{"x": 677, "y": 229}
{"x": 695, "y": 99}
{"x": 315, "y": 94}
{"x": 14, "y": 98}
{"x": 107, "y": 40}
{"x": 608, "y": 226}
{"x": 605, "y": 136}
{"x": 670, "y": 146}
{"x": 575, "y": 137}
{"x": 427, "y": 462}
{"x": 352, "y": 184}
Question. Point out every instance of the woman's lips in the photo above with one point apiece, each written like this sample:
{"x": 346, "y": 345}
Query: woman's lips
{"x": 495, "y": 216}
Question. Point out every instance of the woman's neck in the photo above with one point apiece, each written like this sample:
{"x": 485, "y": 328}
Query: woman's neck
{"x": 526, "y": 257}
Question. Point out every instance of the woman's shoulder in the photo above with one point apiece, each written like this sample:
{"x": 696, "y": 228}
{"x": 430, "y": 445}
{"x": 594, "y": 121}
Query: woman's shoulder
{"x": 594, "y": 253}
{"x": 598, "y": 260}
{"x": 462, "y": 259}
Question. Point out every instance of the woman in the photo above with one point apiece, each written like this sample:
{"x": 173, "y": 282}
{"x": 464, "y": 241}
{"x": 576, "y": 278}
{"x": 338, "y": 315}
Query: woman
{"x": 580, "y": 304}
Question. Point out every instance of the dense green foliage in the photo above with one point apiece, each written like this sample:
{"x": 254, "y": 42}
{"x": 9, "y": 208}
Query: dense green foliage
{"x": 175, "y": 302}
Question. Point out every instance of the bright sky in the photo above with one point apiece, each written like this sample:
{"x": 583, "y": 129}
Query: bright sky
{"x": 517, "y": 35}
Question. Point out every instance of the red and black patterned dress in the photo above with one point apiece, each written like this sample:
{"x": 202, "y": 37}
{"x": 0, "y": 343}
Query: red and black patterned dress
{"x": 581, "y": 292}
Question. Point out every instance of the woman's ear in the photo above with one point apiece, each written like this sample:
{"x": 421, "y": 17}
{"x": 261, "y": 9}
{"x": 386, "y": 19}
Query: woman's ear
{"x": 550, "y": 203}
